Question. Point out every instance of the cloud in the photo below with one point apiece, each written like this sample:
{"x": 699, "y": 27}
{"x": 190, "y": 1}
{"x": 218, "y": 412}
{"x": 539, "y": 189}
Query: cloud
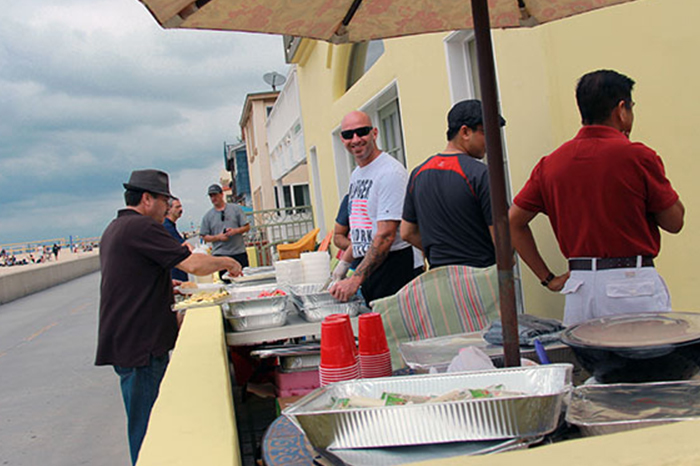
{"x": 92, "y": 89}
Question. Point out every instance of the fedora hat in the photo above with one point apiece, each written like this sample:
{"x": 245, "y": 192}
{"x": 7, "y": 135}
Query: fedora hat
{"x": 153, "y": 181}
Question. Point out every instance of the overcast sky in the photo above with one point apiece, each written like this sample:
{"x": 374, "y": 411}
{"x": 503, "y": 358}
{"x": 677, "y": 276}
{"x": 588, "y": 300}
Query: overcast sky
{"x": 92, "y": 89}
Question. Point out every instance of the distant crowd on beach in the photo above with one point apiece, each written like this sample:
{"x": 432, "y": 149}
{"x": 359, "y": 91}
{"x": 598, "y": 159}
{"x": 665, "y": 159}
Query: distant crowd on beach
{"x": 41, "y": 254}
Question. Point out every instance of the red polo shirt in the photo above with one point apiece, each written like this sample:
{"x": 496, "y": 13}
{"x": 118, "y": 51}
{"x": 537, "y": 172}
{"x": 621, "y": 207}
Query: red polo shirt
{"x": 600, "y": 191}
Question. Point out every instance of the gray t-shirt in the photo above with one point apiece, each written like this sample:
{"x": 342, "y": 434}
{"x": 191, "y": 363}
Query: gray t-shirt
{"x": 212, "y": 224}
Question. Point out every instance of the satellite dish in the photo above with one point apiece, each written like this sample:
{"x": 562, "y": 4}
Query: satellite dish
{"x": 274, "y": 79}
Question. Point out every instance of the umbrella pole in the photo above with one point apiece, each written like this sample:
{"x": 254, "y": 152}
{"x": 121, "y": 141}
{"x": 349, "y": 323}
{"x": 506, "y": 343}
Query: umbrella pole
{"x": 499, "y": 202}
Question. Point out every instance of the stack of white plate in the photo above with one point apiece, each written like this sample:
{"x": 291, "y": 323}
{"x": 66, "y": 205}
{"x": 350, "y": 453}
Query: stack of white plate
{"x": 317, "y": 266}
{"x": 289, "y": 272}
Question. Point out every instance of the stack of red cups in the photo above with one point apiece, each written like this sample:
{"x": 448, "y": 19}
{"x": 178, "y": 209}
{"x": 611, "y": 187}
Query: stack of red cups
{"x": 339, "y": 360}
{"x": 375, "y": 358}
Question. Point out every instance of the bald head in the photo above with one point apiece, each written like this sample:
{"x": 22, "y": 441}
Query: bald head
{"x": 359, "y": 137}
{"x": 355, "y": 119}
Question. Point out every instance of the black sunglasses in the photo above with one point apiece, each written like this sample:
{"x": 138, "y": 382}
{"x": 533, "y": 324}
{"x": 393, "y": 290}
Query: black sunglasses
{"x": 223, "y": 217}
{"x": 361, "y": 132}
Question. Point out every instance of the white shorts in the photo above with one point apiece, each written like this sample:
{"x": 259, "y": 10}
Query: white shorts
{"x": 591, "y": 294}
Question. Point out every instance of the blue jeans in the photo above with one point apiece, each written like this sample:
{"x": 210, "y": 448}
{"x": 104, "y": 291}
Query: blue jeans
{"x": 140, "y": 389}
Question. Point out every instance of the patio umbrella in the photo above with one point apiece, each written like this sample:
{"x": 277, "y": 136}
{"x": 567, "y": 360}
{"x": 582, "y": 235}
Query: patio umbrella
{"x": 343, "y": 21}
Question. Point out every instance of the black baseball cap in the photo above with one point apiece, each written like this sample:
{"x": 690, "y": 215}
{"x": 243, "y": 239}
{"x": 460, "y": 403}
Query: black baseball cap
{"x": 215, "y": 189}
{"x": 466, "y": 113}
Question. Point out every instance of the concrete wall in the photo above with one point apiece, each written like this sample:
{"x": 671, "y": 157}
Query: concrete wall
{"x": 193, "y": 421}
{"x": 25, "y": 282}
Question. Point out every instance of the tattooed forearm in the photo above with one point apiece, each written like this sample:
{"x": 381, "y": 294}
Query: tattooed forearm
{"x": 377, "y": 253}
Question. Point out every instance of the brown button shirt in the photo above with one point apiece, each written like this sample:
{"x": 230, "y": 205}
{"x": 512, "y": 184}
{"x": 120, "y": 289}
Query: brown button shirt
{"x": 136, "y": 295}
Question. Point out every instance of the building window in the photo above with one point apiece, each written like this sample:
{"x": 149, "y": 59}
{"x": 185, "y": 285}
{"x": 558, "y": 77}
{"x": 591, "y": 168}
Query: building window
{"x": 293, "y": 195}
{"x": 462, "y": 66}
{"x": 362, "y": 57}
{"x": 391, "y": 137}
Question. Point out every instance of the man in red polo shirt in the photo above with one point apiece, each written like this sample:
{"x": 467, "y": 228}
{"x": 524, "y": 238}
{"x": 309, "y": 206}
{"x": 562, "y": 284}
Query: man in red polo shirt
{"x": 606, "y": 198}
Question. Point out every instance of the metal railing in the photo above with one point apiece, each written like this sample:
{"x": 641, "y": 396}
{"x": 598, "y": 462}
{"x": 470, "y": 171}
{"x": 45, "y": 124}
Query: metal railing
{"x": 271, "y": 227}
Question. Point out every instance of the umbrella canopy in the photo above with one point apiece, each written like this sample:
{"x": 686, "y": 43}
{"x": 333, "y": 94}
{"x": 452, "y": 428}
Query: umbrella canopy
{"x": 358, "y": 20}
{"x": 342, "y": 21}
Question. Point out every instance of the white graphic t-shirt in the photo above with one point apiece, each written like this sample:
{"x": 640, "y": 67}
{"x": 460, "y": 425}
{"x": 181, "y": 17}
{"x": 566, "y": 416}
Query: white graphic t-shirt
{"x": 376, "y": 193}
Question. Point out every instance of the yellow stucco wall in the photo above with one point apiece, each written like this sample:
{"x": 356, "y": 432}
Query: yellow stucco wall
{"x": 654, "y": 42}
{"x": 193, "y": 421}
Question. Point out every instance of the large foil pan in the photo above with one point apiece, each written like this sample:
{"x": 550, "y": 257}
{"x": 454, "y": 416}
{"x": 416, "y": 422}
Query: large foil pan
{"x": 315, "y": 305}
{"x": 245, "y": 301}
{"x": 606, "y": 409}
{"x": 256, "y": 321}
{"x": 533, "y": 414}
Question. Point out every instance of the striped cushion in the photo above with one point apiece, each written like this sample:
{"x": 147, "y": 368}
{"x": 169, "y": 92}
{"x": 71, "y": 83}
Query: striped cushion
{"x": 443, "y": 301}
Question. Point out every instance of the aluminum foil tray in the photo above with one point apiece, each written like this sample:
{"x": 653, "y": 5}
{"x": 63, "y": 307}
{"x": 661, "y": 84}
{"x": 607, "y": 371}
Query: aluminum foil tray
{"x": 534, "y": 414}
{"x": 606, "y": 409}
{"x": 245, "y": 302}
{"x": 317, "y": 314}
{"x": 296, "y": 363}
{"x": 256, "y": 321}
{"x": 314, "y": 305}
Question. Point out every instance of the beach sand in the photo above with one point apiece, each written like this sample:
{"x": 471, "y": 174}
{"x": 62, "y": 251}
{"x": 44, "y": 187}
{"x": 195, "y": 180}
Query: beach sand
{"x": 63, "y": 256}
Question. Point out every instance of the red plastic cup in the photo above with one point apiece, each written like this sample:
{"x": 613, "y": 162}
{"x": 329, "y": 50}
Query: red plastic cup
{"x": 345, "y": 318}
{"x": 372, "y": 335}
{"x": 337, "y": 344}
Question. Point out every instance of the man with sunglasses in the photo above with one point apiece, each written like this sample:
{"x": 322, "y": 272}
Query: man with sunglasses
{"x": 375, "y": 199}
{"x": 458, "y": 232}
{"x": 606, "y": 198}
{"x": 223, "y": 226}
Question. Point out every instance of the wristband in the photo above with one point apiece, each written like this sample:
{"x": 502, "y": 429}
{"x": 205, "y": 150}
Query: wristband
{"x": 547, "y": 280}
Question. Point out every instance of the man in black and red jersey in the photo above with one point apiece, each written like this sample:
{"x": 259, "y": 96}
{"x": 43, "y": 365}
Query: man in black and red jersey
{"x": 447, "y": 208}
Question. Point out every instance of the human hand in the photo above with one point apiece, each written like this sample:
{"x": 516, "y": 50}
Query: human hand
{"x": 344, "y": 289}
{"x": 176, "y": 283}
{"x": 221, "y": 237}
{"x": 558, "y": 282}
{"x": 234, "y": 268}
{"x": 340, "y": 271}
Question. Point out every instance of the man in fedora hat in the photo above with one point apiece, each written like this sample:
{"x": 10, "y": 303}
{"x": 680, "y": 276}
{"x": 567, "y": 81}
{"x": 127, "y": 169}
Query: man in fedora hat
{"x": 137, "y": 327}
{"x": 223, "y": 226}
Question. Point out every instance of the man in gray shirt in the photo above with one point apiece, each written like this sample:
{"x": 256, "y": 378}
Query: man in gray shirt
{"x": 223, "y": 226}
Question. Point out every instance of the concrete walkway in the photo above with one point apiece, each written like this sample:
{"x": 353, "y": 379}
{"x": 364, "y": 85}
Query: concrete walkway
{"x": 56, "y": 407}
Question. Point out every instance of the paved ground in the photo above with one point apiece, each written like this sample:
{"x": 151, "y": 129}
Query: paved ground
{"x": 56, "y": 407}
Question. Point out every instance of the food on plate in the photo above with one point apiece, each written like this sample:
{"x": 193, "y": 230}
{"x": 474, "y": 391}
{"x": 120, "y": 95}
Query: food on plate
{"x": 188, "y": 285}
{"x": 398, "y": 399}
{"x": 201, "y": 299}
{"x": 271, "y": 294}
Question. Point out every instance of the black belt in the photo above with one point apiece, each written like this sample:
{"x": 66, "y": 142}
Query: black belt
{"x": 609, "y": 263}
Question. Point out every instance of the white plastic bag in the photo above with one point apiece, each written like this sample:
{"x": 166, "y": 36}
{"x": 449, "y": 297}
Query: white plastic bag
{"x": 470, "y": 358}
